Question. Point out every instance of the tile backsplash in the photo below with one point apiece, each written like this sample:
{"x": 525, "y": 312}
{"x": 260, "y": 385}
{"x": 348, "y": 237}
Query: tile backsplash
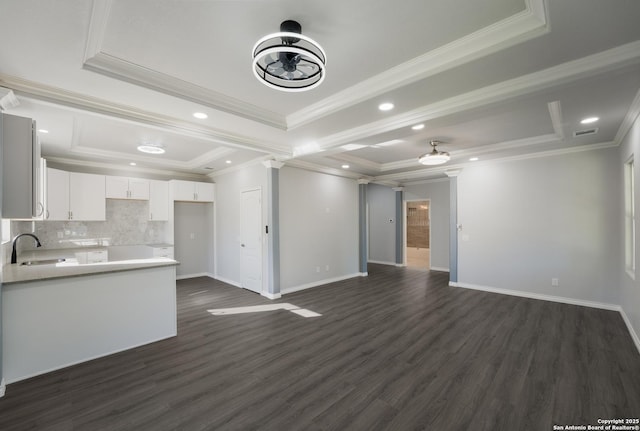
{"x": 127, "y": 224}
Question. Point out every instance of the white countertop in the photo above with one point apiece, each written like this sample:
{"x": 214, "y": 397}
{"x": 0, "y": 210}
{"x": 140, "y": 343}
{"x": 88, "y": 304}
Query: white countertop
{"x": 16, "y": 273}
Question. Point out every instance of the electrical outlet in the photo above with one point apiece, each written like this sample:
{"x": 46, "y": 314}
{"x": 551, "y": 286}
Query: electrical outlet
{"x": 555, "y": 282}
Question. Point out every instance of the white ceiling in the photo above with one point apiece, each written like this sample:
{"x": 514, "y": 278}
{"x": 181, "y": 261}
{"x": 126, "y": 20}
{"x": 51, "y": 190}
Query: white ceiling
{"x": 493, "y": 79}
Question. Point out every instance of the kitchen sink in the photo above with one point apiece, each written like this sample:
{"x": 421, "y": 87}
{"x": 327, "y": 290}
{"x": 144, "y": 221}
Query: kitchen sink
{"x": 43, "y": 262}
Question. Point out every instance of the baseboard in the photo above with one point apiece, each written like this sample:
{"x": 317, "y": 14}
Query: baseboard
{"x": 438, "y": 268}
{"x": 540, "y": 296}
{"x": 199, "y": 274}
{"x": 364, "y": 274}
{"x": 225, "y": 280}
{"x": 632, "y": 331}
{"x": 400, "y": 265}
{"x": 318, "y": 283}
{"x": 2, "y": 388}
{"x": 271, "y": 295}
{"x": 379, "y": 262}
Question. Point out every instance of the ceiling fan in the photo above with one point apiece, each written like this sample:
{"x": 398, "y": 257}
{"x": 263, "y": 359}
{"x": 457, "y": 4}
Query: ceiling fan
{"x": 288, "y": 60}
{"x": 435, "y": 157}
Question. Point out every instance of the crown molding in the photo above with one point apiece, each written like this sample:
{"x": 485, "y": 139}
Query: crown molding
{"x": 526, "y": 84}
{"x": 119, "y": 167}
{"x": 555, "y": 111}
{"x": 314, "y": 167}
{"x": 358, "y": 161}
{"x": 420, "y": 173}
{"x": 429, "y": 181}
{"x": 240, "y": 166}
{"x": 86, "y": 103}
{"x": 96, "y": 60}
{"x": 272, "y": 164}
{"x": 629, "y": 119}
{"x": 530, "y": 23}
{"x": 507, "y": 145}
{"x": 123, "y": 70}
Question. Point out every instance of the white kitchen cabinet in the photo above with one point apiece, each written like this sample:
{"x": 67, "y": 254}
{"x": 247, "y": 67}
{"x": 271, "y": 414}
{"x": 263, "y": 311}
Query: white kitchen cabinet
{"x": 20, "y": 166}
{"x": 162, "y": 251}
{"x": 192, "y": 191}
{"x": 75, "y": 196}
{"x": 158, "y": 200}
{"x": 127, "y": 188}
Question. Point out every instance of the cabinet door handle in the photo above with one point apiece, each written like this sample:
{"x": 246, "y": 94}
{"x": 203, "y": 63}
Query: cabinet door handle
{"x": 47, "y": 214}
{"x": 70, "y": 215}
{"x": 41, "y": 212}
{"x": 150, "y": 216}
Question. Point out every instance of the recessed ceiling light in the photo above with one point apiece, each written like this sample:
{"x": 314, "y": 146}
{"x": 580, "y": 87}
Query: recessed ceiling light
{"x": 589, "y": 120}
{"x": 132, "y": 163}
{"x": 200, "y": 115}
{"x": 151, "y": 149}
{"x": 345, "y": 166}
{"x": 45, "y": 131}
{"x": 418, "y": 127}
{"x": 474, "y": 159}
{"x": 385, "y": 106}
{"x": 228, "y": 162}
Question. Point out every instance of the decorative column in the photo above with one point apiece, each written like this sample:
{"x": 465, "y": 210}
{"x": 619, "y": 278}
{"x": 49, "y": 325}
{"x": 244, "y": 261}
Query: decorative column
{"x": 273, "y": 229}
{"x": 399, "y": 226}
{"x": 363, "y": 247}
{"x": 453, "y": 225}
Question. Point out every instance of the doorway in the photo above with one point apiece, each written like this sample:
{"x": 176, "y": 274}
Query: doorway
{"x": 418, "y": 234}
{"x": 251, "y": 240}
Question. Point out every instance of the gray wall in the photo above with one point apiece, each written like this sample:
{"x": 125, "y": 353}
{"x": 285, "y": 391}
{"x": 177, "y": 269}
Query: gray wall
{"x": 318, "y": 227}
{"x": 382, "y": 233}
{"x": 629, "y": 287}
{"x": 437, "y": 192}
{"x": 228, "y": 199}
{"x": 526, "y": 222}
{"x": 193, "y": 241}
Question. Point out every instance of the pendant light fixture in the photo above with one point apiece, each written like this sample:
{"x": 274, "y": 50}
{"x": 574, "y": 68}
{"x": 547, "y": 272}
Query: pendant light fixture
{"x": 435, "y": 157}
{"x": 288, "y": 60}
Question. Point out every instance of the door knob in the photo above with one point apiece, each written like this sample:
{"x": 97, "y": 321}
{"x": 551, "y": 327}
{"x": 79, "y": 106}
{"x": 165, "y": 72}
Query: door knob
{"x": 241, "y": 245}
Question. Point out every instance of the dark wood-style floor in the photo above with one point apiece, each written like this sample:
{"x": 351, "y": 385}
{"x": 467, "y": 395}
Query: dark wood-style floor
{"x": 398, "y": 350}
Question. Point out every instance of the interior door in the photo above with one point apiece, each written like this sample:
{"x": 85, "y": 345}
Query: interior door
{"x": 251, "y": 240}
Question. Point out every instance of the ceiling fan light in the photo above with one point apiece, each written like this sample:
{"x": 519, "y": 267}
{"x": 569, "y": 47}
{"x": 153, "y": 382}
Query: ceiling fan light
{"x": 435, "y": 157}
{"x": 151, "y": 149}
{"x": 288, "y": 60}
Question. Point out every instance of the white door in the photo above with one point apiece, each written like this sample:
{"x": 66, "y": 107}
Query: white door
{"x": 251, "y": 240}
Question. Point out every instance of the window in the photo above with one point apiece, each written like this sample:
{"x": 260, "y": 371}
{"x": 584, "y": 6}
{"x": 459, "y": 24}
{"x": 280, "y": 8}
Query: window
{"x": 629, "y": 218}
{"x": 6, "y": 230}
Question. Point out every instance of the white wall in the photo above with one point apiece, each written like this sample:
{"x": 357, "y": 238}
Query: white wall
{"x": 318, "y": 228}
{"x": 227, "y": 209}
{"x": 528, "y": 221}
{"x": 630, "y": 288}
{"x": 437, "y": 192}
{"x": 382, "y": 234}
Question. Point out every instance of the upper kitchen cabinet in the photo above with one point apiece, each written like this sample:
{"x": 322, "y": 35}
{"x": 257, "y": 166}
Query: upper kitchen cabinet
{"x": 127, "y": 188}
{"x": 75, "y": 196}
{"x": 192, "y": 191}
{"x": 158, "y": 200}
{"x": 20, "y": 167}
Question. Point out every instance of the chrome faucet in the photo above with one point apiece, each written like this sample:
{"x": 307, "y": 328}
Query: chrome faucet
{"x": 14, "y": 255}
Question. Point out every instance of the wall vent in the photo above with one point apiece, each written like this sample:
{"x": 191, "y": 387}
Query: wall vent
{"x": 578, "y": 133}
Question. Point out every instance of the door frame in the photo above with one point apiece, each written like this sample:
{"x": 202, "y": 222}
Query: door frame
{"x": 263, "y": 244}
{"x": 404, "y": 233}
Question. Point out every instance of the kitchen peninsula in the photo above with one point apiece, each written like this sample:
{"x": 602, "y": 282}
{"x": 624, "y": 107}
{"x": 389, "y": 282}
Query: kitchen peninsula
{"x": 65, "y": 313}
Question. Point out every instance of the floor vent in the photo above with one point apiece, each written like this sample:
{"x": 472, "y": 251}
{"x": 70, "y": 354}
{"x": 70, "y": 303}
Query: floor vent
{"x": 578, "y": 133}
